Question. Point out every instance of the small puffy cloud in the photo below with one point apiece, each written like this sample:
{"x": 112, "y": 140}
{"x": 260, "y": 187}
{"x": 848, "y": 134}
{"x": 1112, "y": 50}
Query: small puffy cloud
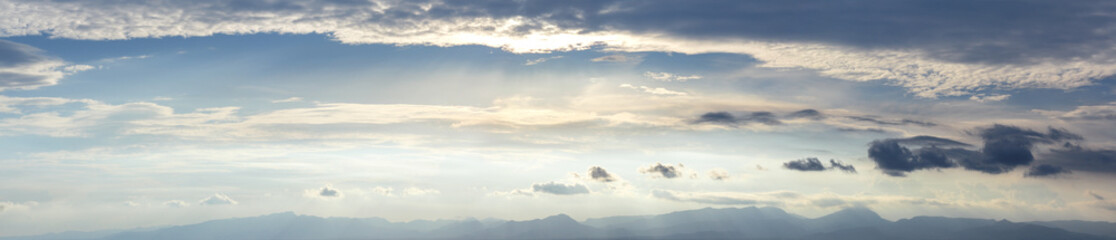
{"x": 325, "y": 192}
{"x": 287, "y": 100}
{"x": 217, "y": 199}
{"x": 719, "y": 174}
{"x": 557, "y": 188}
{"x": 619, "y": 58}
{"x": 540, "y": 60}
{"x": 664, "y": 171}
{"x": 669, "y": 77}
{"x": 176, "y": 203}
{"x": 599, "y": 174}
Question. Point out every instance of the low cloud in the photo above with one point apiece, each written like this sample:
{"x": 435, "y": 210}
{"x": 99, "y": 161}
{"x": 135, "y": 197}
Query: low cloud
{"x": 218, "y": 199}
{"x": 666, "y": 171}
{"x": 325, "y": 192}
{"x": 176, "y": 203}
{"x": 669, "y": 77}
{"x": 726, "y": 118}
{"x": 876, "y": 120}
{"x": 654, "y": 90}
{"x": 599, "y": 174}
{"x": 540, "y": 60}
{"x": 619, "y": 58}
{"x": 287, "y": 100}
{"x": 814, "y": 165}
{"x": 26, "y": 67}
{"x": 1004, "y": 149}
{"x": 806, "y": 114}
{"x": 1045, "y": 170}
{"x": 719, "y": 174}
{"x": 557, "y": 188}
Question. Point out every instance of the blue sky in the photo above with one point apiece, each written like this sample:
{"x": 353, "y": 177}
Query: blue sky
{"x": 160, "y": 113}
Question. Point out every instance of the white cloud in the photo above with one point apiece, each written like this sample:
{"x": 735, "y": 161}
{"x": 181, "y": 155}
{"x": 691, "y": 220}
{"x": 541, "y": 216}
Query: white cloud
{"x": 26, "y": 67}
{"x": 176, "y": 203}
{"x": 670, "y": 77}
{"x": 1092, "y": 112}
{"x": 621, "y": 58}
{"x": 217, "y": 199}
{"x": 540, "y": 60}
{"x": 920, "y": 71}
{"x": 287, "y": 100}
{"x": 651, "y": 90}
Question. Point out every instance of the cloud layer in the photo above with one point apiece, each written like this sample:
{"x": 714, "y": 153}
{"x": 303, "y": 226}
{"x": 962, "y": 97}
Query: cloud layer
{"x": 918, "y": 45}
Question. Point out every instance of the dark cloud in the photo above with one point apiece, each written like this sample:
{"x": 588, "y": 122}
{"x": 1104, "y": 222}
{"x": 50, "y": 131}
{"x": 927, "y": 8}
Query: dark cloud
{"x": 806, "y": 113}
{"x": 560, "y": 188}
{"x": 599, "y": 174}
{"x": 1097, "y": 196}
{"x": 813, "y": 164}
{"x": 897, "y": 160}
{"x": 878, "y": 121}
{"x": 1045, "y": 170}
{"x": 1005, "y": 148}
{"x": 1082, "y": 159}
{"x": 726, "y": 118}
{"x": 717, "y": 117}
{"x": 329, "y": 192}
{"x": 807, "y": 164}
{"x": 834, "y": 164}
{"x": 666, "y": 171}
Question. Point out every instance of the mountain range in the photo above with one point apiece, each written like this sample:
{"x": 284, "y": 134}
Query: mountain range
{"x": 707, "y": 223}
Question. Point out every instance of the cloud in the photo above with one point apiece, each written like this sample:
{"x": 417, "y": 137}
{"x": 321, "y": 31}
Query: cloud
{"x": 1094, "y": 112}
{"x": 26, "y": 67}
{"x": 557, "y": 188}
{"x": 807, "y": 164}
{"x": 287, "y": 100}
{"x": 326, "y": 192}
{"x": 806, "y": 114}
{"x": 540, "y": 60}
{"x": 599, "y": 174}
{"x": 875, "y": 120}
{"x": 217, "y": 199}
{"x": 726, "y": 118}
{"x": 176, "y": 203}
{"x": 1005, "y": 148}
{"x": 929, "y": 51}
{"x": 669, "y": 77}
{"x": 656, "y": 91}
{"x": 719, "y": 174}
{"x": 665, "y": 171}
{"x": 415, "y": 191}
{"x": 1045, "y": 170}
{"x": 1096, "y": 196}
{"x": 834, "y": 164}
{"x": 619, "y": 58}
{"x": 1077, "y": 158}
{"x": 811, "y": 164}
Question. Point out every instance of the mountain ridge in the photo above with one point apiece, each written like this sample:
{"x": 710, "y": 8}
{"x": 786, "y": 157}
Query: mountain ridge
{"x": 705, "y": 223}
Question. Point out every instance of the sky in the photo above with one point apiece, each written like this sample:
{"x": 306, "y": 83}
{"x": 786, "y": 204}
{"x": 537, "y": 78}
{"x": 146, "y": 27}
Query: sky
{"x": 117, "y": 114}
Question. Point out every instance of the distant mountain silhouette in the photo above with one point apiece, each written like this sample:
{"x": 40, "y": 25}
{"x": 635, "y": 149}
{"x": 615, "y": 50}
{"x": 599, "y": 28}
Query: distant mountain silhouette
{"x": 707, "y": 223}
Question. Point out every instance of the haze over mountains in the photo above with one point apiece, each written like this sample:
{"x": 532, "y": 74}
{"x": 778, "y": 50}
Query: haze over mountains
{"x": 708, "y": 223}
